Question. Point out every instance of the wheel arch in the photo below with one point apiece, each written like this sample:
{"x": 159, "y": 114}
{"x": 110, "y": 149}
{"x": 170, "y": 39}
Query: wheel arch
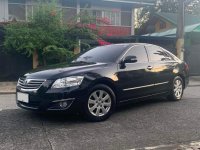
{"x": 108, "y": 82}
{"x": 183, "y": 78}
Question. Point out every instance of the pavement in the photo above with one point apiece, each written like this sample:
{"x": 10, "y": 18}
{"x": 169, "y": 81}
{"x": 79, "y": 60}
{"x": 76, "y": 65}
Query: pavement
{"x": 156, "y": 124}
{"x": 9, "y": 87}
{"x": 194, "y": 81}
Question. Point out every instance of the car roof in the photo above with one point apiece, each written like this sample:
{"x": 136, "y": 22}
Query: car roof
{"x": 132, "y": 44}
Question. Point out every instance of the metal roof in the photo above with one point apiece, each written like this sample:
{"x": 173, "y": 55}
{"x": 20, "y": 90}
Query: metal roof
{"x": 172, "y": 32}
{"x": 172, "y": 17}
{"x": 137, "y": 2}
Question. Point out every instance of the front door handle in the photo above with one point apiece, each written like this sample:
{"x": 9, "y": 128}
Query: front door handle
{"x": 149, "y": 67}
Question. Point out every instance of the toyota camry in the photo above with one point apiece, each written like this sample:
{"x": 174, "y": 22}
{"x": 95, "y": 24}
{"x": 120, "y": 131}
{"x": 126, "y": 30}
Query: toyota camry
{"x": 103, "y": 78}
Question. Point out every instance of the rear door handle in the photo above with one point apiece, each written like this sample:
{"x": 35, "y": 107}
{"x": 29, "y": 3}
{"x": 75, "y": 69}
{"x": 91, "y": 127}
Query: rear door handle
{"x": 149, "y": 67}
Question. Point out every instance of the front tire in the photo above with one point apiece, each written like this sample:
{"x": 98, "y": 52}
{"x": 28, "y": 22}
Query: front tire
{"x": 100, "y": 103}
{"x": 176, "y": 92}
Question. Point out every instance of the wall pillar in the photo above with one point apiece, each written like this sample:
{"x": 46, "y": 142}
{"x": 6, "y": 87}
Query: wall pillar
{"x": 133, "y": 22}
{"x": 3, "y": 10}
{"x": 77, "y": 49}
{"x": 78, "y": 10}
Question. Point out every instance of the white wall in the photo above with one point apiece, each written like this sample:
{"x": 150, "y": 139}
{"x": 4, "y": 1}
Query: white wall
{"x": 3, "y": 10}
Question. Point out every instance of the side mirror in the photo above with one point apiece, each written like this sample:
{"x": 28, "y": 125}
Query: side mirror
{"x": 130, "y": 59}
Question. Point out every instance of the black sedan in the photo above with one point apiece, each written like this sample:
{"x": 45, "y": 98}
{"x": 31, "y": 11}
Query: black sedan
{"x": 103, "y": 78}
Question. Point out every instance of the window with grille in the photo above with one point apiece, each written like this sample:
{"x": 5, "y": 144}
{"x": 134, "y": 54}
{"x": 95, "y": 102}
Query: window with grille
{"x": 17, "y": 10}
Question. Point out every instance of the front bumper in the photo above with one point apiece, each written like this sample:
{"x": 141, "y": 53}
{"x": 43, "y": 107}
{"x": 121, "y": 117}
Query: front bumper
{"x": 45, "y": 99}
{"x": 50, "y": 106}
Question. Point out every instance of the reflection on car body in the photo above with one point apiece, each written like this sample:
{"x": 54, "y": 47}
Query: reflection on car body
{"x": 104, "y": 77}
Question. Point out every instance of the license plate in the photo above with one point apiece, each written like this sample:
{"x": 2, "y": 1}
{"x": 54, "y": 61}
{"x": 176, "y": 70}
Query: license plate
{"x": 22, "y": 97}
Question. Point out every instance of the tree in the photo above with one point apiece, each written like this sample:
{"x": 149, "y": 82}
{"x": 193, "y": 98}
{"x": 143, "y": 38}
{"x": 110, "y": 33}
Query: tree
{"x": 32, "y": 37}
{"x": 146, "y": 13}
{"x": 45, "y": 34}
{"x": 170, "y": 6}
{"x": 193, "y": 7}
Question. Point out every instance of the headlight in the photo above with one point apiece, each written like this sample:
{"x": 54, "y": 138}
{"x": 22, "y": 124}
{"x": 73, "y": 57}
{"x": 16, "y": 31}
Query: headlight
{"x": 68, "y": 82}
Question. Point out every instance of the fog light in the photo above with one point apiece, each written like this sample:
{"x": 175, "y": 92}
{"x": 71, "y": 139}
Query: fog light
{"x": 63, "y": 104}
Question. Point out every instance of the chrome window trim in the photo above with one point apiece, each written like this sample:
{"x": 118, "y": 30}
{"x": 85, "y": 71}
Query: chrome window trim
{"x": 122, "y": 55}
{"x": 145, "y": 86}
{"x": 121, "y": 58}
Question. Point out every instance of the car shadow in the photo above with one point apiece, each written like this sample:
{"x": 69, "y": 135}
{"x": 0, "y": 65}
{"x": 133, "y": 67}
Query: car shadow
{"x": 77, "y": 118}
{"x": 60, "y": 117}
{"x": 142, "y": 103}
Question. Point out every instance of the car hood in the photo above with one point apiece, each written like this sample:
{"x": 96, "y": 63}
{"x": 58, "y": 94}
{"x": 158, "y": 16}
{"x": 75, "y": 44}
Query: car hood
{"x": 56, "y": 71}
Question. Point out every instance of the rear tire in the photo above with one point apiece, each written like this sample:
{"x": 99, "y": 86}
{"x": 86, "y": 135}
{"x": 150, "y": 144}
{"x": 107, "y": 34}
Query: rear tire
{"x": 177, "y": 89}
{"x": 100, "y": 103}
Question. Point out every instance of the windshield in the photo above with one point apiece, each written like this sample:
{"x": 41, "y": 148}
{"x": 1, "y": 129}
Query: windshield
{"x": 109, "y": 53}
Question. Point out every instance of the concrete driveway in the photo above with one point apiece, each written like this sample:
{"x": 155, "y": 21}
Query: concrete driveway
{"x": 153, "y": 124}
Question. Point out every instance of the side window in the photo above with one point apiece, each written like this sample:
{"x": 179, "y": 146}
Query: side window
{"x": 17, "y": 10}
{"x": 139, "y": 52}
{"x": 169, "y": 56}
{"x": 156, "y": 53}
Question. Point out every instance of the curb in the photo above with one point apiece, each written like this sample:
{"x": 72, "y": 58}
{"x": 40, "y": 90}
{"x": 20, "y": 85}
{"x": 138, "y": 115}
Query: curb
{"x": 8, "y": 88}
{"x": 5, "y": 93}
{"x": 191, "y": 85}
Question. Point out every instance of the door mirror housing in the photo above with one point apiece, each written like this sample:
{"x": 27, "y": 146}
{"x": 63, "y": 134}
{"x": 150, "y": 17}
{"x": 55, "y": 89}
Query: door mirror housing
{"x": 130, "y": 59}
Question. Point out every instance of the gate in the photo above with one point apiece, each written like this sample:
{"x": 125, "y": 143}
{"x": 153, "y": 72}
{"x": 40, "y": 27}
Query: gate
{"x": 193, "y": 59}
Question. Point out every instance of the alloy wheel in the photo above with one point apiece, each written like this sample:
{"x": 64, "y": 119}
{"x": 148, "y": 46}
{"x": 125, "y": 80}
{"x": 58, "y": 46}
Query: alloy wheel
{"x": 99, "y": 103}
{"x": 178, "y": 88}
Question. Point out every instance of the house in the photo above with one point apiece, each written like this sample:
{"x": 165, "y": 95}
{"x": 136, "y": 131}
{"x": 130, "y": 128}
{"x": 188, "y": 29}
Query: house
{"x": 162, "y": 21}
{"x": 191, "y": 47}
{"x": 119, "y": 12}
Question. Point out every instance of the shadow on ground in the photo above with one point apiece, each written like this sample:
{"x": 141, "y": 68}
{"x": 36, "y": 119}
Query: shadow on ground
{"x": 78, "y": 118}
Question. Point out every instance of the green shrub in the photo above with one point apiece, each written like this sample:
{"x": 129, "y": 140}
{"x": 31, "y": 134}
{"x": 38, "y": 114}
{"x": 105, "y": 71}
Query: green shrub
{"x": 53, "y": 54}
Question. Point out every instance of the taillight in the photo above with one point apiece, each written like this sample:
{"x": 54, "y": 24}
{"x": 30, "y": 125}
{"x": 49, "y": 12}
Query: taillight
{"x": 186, "y": 66}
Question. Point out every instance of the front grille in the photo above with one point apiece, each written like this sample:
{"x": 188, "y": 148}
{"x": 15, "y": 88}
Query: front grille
{"x": 30, "y": 84}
